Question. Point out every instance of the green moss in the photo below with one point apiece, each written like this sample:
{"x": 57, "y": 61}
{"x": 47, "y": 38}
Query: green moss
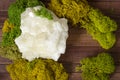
{"x": 8, "y": 48}
{"x": 15, "y": 9}
{"x": 99, "y": 26}
{"x": 74, "y": 10}
{"x": 38, "y": 69}
{"x": 44, "y": 13}
{"x": 9, "y": 36}
{"x": 103, "y": 23}
{"x": 10, "y": 52}
{"x": 106, "y": 40}
{"x": 14, "y": 14}
{"x": 97, "y": 68}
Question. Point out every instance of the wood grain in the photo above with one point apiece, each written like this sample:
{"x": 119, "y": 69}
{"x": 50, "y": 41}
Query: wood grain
{"x": 79, "y": 44}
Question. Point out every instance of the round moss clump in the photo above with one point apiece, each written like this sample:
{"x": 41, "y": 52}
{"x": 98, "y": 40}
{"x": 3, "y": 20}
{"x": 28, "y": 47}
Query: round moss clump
{"x": 38, "y": 69}
{"x": 97, "y": 68}
{"x": 101, "y": 28}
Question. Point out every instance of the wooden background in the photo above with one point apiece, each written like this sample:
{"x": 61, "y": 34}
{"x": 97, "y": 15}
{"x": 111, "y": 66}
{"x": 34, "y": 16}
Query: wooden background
{"x": 79, "y": 43}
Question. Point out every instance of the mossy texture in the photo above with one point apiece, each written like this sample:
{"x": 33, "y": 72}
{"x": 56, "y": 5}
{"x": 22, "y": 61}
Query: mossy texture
{"x": 10, "y": 52}
{"x": 97, "y": 68}
{"x": 38, "y": 69}
{"x": 9, "y": 33}
{"x": 8, "y": 48}
{"x": 11, "y": 28}
{"x": 43, "y": 12}
{"x": 16, "y": 8}
{"x": 99, "y": 26}
{"x": 103, "y": 23}
{"x": 74, "y": 10}
{"x": 7, "y": 26}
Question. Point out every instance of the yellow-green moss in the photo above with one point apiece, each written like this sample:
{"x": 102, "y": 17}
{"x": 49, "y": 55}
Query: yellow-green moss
{"x": 103, "y": 23}
{"x": 8, "y": 49}
{"x": 99, "y": 26}
{"x": 10, "y": 52}
{"x": 38, "y": 69}
{"x": 7, "y": 26}
{"x": 74, "y": 10}
{"x": 97, "y": 68}
{"x": 9, "y": 33}
{"x": 106, "y": 40}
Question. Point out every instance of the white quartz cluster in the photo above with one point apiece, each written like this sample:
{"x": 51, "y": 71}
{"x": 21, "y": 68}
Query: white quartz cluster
{"x": 41, "y": 37}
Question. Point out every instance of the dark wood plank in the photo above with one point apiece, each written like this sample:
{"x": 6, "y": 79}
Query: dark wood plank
{"x": 79, "y": 43}
{"x": 1, "y": 25}
{"x": 3, "y": 68}
{"x": 72, "y": 76}
{"x": 4, "y": 76}
{"x": 71, "y": 68}
{"x": 2, "y": 19}
{"x": 3, "y": 13}
{"x": 103, "y": 0}
{"x": 75, "y": 53}
{"x": 107, "y": 7}
{"x": 79, "y": 37}
{"x": 4, "y": 61}
{"x": 76, "y": 76}
{"x": 97, "y": 3}
{"x": 4, "y": 4}
{"x": 0, "y": 35}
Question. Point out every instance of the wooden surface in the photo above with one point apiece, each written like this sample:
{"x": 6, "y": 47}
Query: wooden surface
{"x": 79, "y": 43}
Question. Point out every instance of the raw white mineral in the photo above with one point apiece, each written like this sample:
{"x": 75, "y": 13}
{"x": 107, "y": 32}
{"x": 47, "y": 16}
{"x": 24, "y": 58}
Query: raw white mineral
{"x": 41, "y": 37}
